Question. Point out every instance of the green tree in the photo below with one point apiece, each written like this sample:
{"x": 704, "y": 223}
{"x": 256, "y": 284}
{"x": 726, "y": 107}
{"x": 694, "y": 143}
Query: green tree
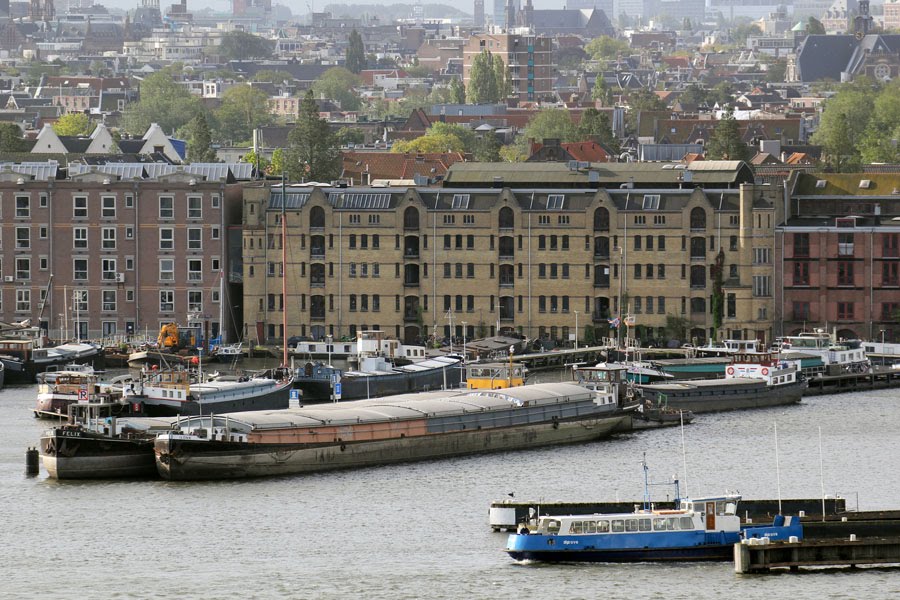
{"x": 606, "y": 48}
{"x": 313, "y": 153}
{"x": 273, "y": 76}
{"x": 440, "y": 137}
{"x": 199, "y": 141}
{"x": 741, "y": 32}
{"x": 243, "y": 109}
{"x": 355, "y": 56}
{"x": 718, "y": 295}
{"x": 487, "y": 148}
{"x": 776, "y": 71}
{"x": 602, "y": 91}
{"x": 513, "y": 153}
{"x": 11, "y": 139}
{"x": 644, "y": 99}
{"x": 482, "y": 88}
{"x": 258, "y": 160}
{"x": 162, "y": 101}
{"x": 240, "y": 45}
{"x": 725, "y": 142}
{"x": 846, "y": 118}
{"x": 457, "y": 91}
{"x": 814, "y": 27}
{"x": 350, "y": 135}
{"x": 694, "y": 95}
{"x": 596, "y": 125}
{"x": 553, "y": 123}
{"x": 502, "y": 79}
{"x": 73, "y": 124}
{"x": 338, "y": 84}
{"x": 722, "y": 93}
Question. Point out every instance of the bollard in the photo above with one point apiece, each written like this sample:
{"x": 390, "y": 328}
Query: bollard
{"x": 32, "y": 462}
{"x": 852, "y": 537}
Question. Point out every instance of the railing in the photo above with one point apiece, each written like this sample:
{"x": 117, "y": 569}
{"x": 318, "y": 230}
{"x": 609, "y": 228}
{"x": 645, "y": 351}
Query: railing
{"x": 411, "y": 254}
{"x": 411, "y": 283}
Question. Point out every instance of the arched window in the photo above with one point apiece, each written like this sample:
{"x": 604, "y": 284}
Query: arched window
{"x": 601, "y": 219}
{"x": 507, "y": 220}
{"x": 411, "y": 218}
{"x": 698, "y": 218}
{"x": 317, "y": 217}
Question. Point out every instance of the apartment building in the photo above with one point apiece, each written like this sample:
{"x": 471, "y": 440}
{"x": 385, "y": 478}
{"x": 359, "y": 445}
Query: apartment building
{"x": 528, "y": 57}
{"x": 837, "y": 257}
{"x": 119, "y": 248}
{"x": 495, "y": 251}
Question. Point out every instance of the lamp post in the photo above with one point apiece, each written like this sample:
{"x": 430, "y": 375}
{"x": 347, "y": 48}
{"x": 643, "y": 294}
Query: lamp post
{"x": 576, "y": 330}
{"x": 328, "y": 338}
{"x": 462, "y": 371}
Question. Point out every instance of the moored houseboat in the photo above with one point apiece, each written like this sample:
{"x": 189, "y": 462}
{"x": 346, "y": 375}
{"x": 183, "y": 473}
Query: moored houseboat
{"x": 381, "y": 431}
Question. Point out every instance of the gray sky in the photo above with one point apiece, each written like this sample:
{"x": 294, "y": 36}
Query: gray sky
{"x": 299, "y": 7}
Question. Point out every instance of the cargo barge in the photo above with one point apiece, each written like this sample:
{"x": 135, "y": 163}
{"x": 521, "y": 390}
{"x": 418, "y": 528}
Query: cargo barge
{"x": 376, "y": 432}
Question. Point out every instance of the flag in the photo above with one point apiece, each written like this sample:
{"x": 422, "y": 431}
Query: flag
{"x": 629, "y": 321}
{"x": 614, "y": 322}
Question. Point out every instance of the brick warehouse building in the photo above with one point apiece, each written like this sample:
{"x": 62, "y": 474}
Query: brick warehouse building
{"x": 838, "y": 255}
{"x": 129, "y": 246}
{"x": 529, "y": 248}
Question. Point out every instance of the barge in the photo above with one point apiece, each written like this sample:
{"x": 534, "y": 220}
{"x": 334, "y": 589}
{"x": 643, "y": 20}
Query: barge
{"x": 376, "y": 432}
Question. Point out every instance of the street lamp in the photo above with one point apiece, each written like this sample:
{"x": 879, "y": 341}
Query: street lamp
{"x": 328, "y": 339}
{"x": 576, "y": 330}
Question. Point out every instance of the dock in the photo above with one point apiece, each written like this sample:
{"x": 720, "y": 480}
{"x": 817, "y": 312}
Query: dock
{"x": 757, "y": 556}
{"x": 877, "y": 378}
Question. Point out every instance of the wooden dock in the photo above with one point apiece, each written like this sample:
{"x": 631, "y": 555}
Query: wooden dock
{"x": 751, "y": 556}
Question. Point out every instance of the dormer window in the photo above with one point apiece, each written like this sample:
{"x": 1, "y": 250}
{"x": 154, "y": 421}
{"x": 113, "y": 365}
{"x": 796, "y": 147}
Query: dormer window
{"x": 651, "y": 202}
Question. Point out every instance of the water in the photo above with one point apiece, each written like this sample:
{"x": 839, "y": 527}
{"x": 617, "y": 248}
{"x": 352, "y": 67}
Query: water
{"x": 420, "y": 530}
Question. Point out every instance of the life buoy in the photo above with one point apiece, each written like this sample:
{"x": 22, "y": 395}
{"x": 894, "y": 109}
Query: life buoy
{"x": 765, "y": 371}
{"x": 730, "y": 370}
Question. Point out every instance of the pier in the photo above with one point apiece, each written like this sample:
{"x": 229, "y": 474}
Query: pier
{"x": 878, "y": 377}
{"x": 850, "y": 552}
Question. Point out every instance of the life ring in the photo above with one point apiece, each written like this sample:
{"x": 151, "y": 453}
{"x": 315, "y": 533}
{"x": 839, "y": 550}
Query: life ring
{"x": 730, "y": 370}
{"x": 765, "y": 371}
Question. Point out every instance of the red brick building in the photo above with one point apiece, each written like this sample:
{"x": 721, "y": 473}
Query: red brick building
{"x": 837, "y": 255}
{"x": 115, "y": 249}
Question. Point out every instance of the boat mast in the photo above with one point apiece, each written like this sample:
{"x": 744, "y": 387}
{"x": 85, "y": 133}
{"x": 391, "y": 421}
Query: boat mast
{"x": 284, "y": 271}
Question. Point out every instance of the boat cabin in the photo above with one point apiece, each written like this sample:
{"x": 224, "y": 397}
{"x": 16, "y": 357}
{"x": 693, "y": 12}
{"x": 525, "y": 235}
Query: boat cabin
{"x": 603, "y": 378}
{"x": 494, "y": 376}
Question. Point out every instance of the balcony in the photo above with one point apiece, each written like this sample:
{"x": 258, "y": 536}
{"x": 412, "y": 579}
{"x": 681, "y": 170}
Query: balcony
{"x": 317, "y": 282}
{"x": 317, "y": 253}
{"x": 410, "y": 317}
{"x": 507, "y": 282}
{"x": 411, "y": 253}
{"x": 599, "y": 317}
{"x": 698, "y": 257}
{"x": 317, "y": 315}
{"x": 411, "y": 282}
{"x": 507, "y": 256}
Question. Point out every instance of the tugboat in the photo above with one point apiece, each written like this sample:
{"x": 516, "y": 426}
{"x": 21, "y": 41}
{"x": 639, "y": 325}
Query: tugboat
{"x": 704, "y": 528}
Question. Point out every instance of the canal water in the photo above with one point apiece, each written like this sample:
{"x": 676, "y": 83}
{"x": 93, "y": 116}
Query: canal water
{"x": 421, "y": 530}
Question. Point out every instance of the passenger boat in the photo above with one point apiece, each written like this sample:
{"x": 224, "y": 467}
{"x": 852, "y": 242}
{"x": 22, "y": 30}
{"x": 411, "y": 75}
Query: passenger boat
{"x": 368, "y": 344}
{"x": 172, "y": 392}
{"x": 752, "y": 380}
{"x": 375, "y": 432}
{"x": 376, "y": 377}
{"x": 228, "y": 353}
{"x": 835, "y": 357}
{"x": 704, "y": 528}
{"x": 25, "y": 358}
{"x": 93, "y": 448}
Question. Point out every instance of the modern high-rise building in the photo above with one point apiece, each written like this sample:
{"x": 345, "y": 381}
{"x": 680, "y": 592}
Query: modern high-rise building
{"x": 479, "y": 13}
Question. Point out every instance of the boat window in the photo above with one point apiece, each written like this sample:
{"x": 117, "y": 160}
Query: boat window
{"x": 720, "y": 507}
{"x": 552, "y": 526}
{"x": 590, "y": 527}
{"x": 672, "y": 523}
{"x": 687, "y": 523}
{"x": 659, "y": 524}
{"x": 575, "y": 527}
{"x": 644, "y": 524}
{"x": 631, "y": 525}
{"x": 618, "y": 525}
{"x": 602, "y": 526}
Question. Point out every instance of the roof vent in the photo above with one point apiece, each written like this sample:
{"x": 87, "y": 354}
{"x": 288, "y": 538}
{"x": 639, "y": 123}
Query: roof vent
{"x": 821, "y": 183}
{"x": 864, "y": 184}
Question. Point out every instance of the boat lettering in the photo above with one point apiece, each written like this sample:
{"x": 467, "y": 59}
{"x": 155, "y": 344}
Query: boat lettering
{"x": 570, "y": 542}
{"x": 64, "y": 433}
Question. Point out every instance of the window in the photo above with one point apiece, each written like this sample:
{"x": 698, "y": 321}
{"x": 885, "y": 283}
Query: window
{"x": 195, "y": 269}
{"x": 890, "y": 246}
{"x": 109, "y": 238}
{"x": 79, "y": 207}
{"x": 845, "y": 310}
{"x": 23, "y": 207}
{"x": 23, "y": 268}
{"x": 108, "y": 299}
{"x": 43, "y": 232}
{"x": 556, "y": 201}
{"x": 801, "y": 311}
{"x": 167, "y": 269}
{"x": 166, "y": 300}
{"x": 661, "y": 305}
{"x": 43, "y": 263}
{"x": 460, "y": 202}
{"x": 637, "y": 271}
{"x": 637, "y": 305}
{"x": 801, "y": 245}
{"x": 845, "y": 273}
{"x": 195, "y": 301}
{"x": 762, "y": 286}
{"x": 129, "y": 233}
{"x": 801, "y": 273}
{"x": 845, "y": 244}
{"x": 374, "y": 219}
{"x": 651, "y": 202}
{"x": 129, "y": 263}
{"x": 214, "y": 201}
{"x": 108, "y": 269}
{"x": 23, "y": 300}
{"x": 890, "y": 274}
{"x": 108, "y": 207}
{"x": 660, "y": 271}
{"x": 79, "y": 269}
{"x": 761, "y": 256}
{"x": 449, "y": 219}
{"x": 166, "y": 208}
{"x": 194, "y": 207}
{"x": 637, "y": 242}
{"x": 129, "y": 200}
{"x": 166, "y": 238}
{"x": 660, "y": 242}
{"x": 733, "y": 243}
{"x": 23, "y": 238}
{"x": 214, "y": 232}
{"x": 195, "y": 238}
